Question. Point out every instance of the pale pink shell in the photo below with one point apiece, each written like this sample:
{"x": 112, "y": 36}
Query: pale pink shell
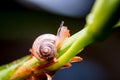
{"x": 44, "y": 47}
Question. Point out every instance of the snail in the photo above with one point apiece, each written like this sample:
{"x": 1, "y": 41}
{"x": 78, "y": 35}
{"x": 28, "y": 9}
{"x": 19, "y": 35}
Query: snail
{"x": 45, "y": 46}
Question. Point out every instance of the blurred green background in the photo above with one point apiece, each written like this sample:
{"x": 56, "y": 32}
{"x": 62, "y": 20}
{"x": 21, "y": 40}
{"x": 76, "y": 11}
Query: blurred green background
{"x": 20, "y": 25}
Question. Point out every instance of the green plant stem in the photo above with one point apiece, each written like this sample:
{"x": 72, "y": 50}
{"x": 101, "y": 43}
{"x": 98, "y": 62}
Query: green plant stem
{"x": 99, "y": 24}
{"x": 7, "y": 70}
{"x": 118, "y": 24}
{"x": 26, "y": 69}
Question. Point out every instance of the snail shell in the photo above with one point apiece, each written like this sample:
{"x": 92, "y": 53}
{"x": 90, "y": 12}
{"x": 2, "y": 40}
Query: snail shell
{"x": 44, "y": 47}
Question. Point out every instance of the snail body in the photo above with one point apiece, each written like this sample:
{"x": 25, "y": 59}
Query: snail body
{"x": 45, "y": 46}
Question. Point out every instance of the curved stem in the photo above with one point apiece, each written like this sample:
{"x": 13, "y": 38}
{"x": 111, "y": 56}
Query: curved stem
{"x": 100, "y": 22}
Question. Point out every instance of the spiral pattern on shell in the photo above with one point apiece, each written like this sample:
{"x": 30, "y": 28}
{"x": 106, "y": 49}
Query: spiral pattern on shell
{"x": 47, "y": 50}
{"x": 44, "y": 47}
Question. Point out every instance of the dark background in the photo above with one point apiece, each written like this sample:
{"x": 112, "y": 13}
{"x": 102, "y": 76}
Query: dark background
{"x": 20, "y": 25}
